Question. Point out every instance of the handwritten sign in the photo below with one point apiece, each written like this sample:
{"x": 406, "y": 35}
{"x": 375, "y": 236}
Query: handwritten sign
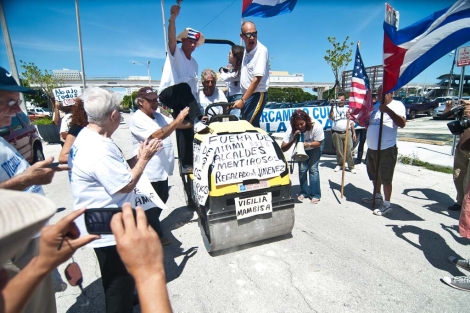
{"x": 67, "y": 95}
{"x": 234, "y": 158}
{"x": 246, "y": 207}
{"x": 145, "y": 196}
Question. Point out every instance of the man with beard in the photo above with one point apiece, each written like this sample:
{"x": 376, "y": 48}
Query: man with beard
{"x": 254, "y": 76}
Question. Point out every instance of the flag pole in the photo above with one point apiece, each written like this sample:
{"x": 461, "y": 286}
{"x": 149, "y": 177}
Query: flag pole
{"x": 164, "y": 26}
{"x": 346, "y": 142}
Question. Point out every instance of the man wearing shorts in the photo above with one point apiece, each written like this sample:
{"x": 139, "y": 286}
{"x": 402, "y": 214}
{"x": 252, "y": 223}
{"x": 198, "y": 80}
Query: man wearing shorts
{"x": 394, "y": 117}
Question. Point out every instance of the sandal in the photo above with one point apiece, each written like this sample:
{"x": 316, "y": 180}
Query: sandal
{"x": 301, "y": 198}
{"x": 314, "y": 201}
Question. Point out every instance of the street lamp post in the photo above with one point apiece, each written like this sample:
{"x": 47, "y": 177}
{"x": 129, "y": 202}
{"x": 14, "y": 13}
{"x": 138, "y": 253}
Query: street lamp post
{"x": 148, "y": 69}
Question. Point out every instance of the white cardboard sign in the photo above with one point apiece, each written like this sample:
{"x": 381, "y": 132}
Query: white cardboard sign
{"x": 234, "y": 158}
{"x": 145, "y": 196}
{"x": 67, "y": 95}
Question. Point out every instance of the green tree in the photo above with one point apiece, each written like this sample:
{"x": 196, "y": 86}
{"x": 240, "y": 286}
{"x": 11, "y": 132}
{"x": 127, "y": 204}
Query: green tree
{"x": 128, "y": 101}
{"x": 45, "y": 82}
{"x": 292, "y": 95}
{"x": 338, "y": 57}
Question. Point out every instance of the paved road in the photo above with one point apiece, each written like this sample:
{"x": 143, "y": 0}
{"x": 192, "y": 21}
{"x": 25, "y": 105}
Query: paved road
{"x": 424, "y": 127}
{"x": 339, "y": 258}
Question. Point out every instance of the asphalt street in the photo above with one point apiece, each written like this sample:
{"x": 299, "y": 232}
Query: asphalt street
{"x": 339, "y": 258}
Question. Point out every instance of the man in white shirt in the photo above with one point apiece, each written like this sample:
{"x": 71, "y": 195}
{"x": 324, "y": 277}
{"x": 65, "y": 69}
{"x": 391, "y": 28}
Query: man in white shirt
{"x": 147, "y": 123}
{"x": 178, "y": 85}
{"x": 209, "y": 93}
{"x": 338, "y": 133}
{"x": 394, "y": 117}
{"x": 254, "y": 76}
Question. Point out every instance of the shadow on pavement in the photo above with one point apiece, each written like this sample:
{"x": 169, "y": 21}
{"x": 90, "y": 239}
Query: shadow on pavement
{"x": 355, "y": 194}
{"x": 442, "y": 200}
{"x": 92, "y": 302}
{"x": 454, "y": 232}
{"x": 176, "y": 219}
{"x": 433, "y": 246}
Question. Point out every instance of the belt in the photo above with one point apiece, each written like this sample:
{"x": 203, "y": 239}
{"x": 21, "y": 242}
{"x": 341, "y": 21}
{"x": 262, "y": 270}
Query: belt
{"x": 335, "y": 131}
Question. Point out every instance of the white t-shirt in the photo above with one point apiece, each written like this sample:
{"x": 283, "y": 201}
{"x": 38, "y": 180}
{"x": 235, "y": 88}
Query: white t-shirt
{"x": 255, "y": 63}
{"x": 204, "y": 101}
{"x": 389, "y": 130}
{"x": 233, "y": 82}
{"x": 98, "y": 172}
{"x": 65, "y": 124}
{"x": 162, "y": 163}
{"x": 178, "y": 69}
{"x": 12, "y": 163}
{"x": 315, "y": 134}
{"x": 340, "y": 121}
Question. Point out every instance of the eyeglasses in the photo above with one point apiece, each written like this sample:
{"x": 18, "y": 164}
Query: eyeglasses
{"x": 13, "y": 102}
{"x": 249, "y": 35}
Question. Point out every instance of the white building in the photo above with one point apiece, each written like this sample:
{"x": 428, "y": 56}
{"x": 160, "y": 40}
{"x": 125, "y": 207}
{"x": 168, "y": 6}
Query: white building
{"x": 66, "y": 74}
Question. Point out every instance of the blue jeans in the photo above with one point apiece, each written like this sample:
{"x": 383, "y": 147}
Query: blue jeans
{"x": 311, "y": 190}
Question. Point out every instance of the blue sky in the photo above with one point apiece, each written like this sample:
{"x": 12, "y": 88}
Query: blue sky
{"x": 115, "y": 33}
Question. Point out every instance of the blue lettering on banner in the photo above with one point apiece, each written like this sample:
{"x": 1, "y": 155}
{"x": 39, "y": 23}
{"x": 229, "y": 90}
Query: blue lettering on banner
{"x": 11, "y": 166}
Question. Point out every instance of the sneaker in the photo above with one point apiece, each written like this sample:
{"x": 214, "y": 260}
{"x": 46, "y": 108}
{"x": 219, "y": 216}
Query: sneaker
{"x": 187, "y": 169}
{"x": 338, "y": 168}
{"x": 353, "y": 170}
{"x": 378, "y": 200}
{"x": 465, "y": 264}
{"x": 164, "y": 241}
{"x": 383, "y": 210}
{"x": 201, "y": 128}
{"x": 455, "y": 207}
{"x": 458, "y": 282}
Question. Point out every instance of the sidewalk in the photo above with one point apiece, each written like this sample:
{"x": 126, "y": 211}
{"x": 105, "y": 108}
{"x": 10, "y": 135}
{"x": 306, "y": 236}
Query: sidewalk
{"x": 433, "y": 154}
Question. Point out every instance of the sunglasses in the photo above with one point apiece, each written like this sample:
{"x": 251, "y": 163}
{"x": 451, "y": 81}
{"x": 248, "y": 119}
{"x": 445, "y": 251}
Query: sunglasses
{"x": 249, "y": 35}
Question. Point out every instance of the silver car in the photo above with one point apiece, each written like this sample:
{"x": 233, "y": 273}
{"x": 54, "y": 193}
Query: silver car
{"x": 436, "y": 114}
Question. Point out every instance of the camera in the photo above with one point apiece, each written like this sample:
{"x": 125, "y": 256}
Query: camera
{"x": 98, "y": 221}
{"x": 461, "y": 123}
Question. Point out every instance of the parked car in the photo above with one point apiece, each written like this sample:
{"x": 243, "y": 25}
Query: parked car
{"x": 419, "y": 105}
{"x": 41, "y": 111}
{"x": 34, "y": 116}
{"x": 440, "y": 109}
{"x": 24, "y": 137}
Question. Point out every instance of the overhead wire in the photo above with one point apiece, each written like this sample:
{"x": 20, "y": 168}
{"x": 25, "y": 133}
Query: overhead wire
{"x": 219, "y": 14}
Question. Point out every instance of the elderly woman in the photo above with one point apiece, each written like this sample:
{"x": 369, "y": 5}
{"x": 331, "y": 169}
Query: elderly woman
{"x": 313, "y": 136}
{"x": 101, "y": 177}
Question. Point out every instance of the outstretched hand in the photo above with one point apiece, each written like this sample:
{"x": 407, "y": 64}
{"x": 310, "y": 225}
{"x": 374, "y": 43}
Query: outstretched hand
{"x": 60, "y": 241}
{"x": 42, "y": 172}
{"x": 174, "y": 11}
{"x": 148, "y": 148}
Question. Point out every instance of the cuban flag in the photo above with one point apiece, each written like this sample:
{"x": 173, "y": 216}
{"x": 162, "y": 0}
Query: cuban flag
{"x": 267, "y": 8}
{"x": 409, "y": 51}
{"x": 360, "y": 97}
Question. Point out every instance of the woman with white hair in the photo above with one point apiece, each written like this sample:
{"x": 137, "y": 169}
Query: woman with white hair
{"x": 101, "y": 177}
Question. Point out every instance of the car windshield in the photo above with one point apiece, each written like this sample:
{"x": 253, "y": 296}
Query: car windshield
{"x": 411, "y": 100}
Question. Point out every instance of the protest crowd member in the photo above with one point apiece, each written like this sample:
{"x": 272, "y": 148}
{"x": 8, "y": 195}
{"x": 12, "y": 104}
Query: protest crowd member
{"x": 312, "y": 131}
{"x": 254, "y": 76}
{"x": 17, "y": 174}
{"x": 100, "y": 177}
{"x": 460, "y": 166}
{"x": 362, "y": 133}
{"x": 338, "y": 134}
{"x": 210, "y": 93}
{"x": 178, "y": 85}
{"x": 147, "y": 123}
{"x": 394, "y": 117}
{"x": 231, "y": 75}
{"x": 77, "y": 122}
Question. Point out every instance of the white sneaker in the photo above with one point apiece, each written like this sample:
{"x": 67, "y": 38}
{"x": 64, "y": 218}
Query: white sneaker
{"x": 337, "y": 168}
{"x": 383, "y": 210}
{"x": 353, "y": 170}
{"x": 200, "y": 128}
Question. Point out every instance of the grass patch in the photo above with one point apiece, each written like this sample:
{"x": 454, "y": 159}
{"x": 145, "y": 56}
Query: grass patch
{"x": 415, "y": 161}
{"x": 43, "y": 121}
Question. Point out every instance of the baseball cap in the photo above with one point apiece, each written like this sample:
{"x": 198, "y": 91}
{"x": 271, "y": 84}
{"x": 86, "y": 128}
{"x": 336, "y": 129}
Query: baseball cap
{"x": 22, "y": 215}
{"x": 147, "y": 93}
{"x": 8, "y": 83}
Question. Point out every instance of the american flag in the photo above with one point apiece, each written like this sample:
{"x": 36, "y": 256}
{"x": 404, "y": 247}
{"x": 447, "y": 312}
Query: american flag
{"x": 360, "y": 98}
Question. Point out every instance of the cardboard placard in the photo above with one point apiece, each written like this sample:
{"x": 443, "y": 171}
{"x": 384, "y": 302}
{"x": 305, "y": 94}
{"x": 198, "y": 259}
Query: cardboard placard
{"x": 67, "y": 95}
{"x": 145, "y": 196}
